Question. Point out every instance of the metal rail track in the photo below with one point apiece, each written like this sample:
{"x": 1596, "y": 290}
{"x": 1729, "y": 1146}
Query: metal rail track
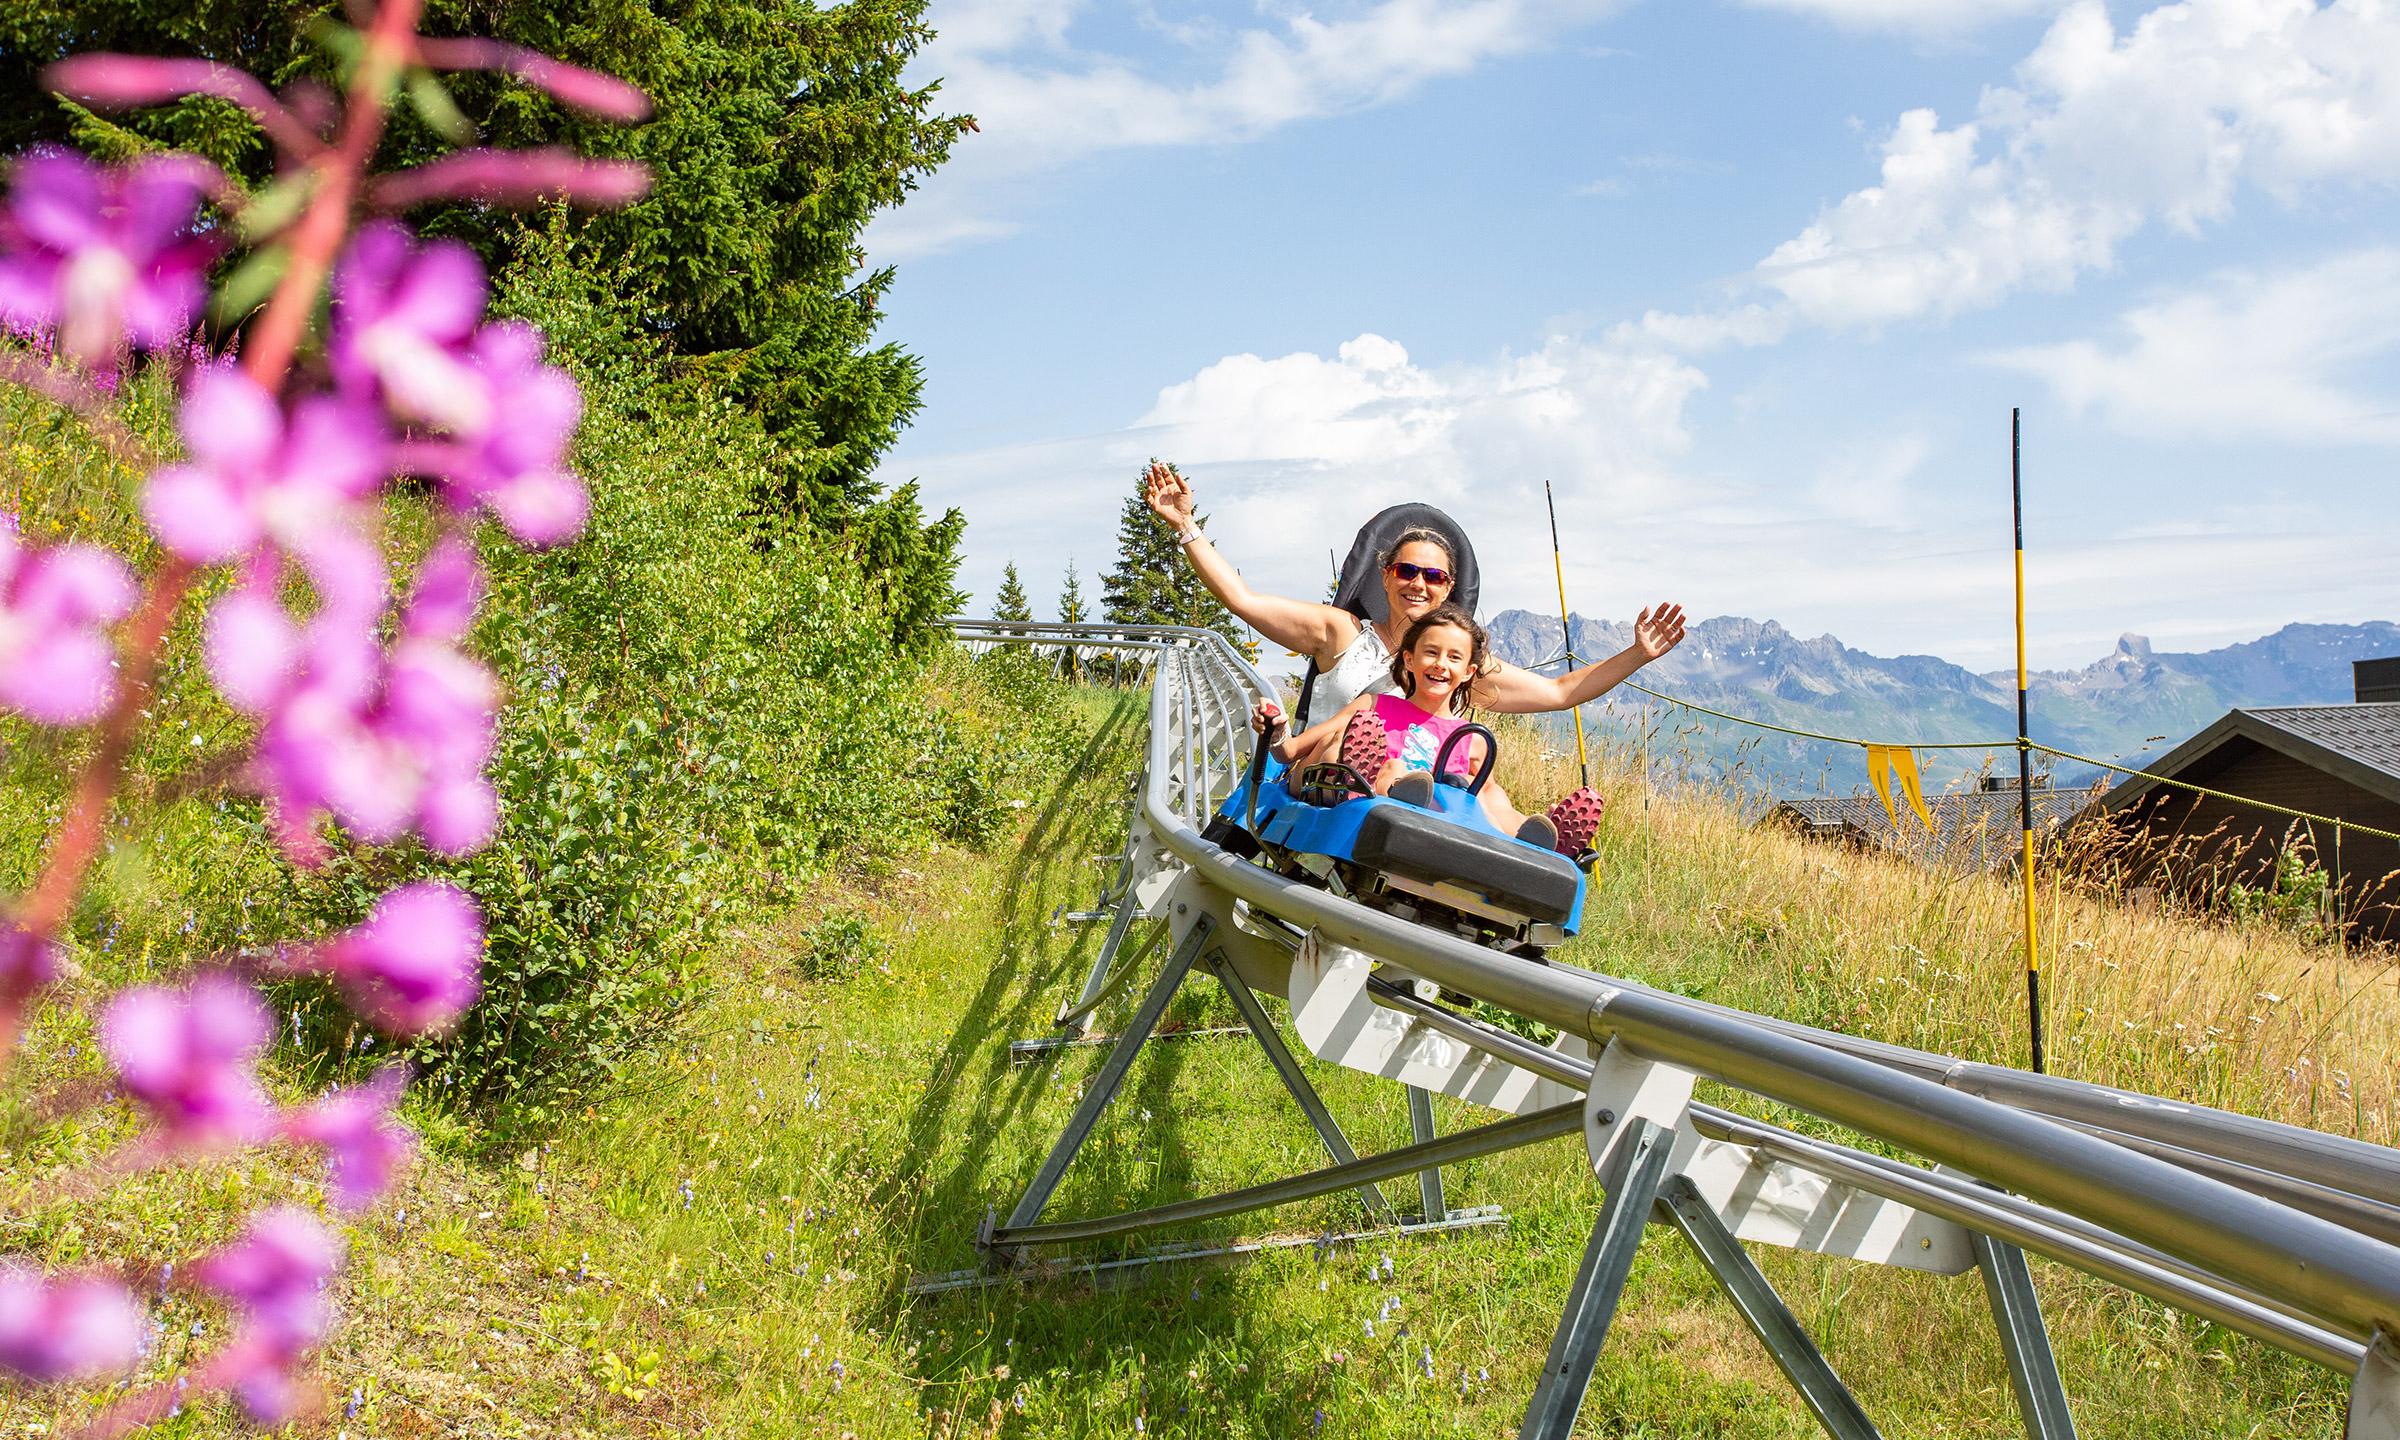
{"x": 2280, "y": 1232}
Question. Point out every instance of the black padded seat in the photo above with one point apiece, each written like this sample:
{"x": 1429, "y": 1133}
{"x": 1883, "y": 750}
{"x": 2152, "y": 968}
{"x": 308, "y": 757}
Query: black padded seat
{"x": 1410, "y": 842}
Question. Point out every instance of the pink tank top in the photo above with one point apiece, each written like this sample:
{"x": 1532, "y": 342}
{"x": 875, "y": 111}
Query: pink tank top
{"x": 1414, "y": 737}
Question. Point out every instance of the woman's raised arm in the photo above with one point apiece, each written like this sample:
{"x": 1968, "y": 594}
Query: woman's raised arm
{"x": 1320, "y": 632}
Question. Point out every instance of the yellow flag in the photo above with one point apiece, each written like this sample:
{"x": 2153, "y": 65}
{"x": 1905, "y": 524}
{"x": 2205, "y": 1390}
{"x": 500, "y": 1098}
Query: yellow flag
{"x": 1882, "y": 762}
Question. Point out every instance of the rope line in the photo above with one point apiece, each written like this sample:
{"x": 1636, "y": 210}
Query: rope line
{"x": 2336, "y": 821}
{"x": 2008, "y": 744}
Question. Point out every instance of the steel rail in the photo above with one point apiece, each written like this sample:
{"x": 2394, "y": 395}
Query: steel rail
{"x": 1509, "y": 1134}
{"x": 1957, "y": 1113}
{"x": 2256, "y": 1243}
{"x": 2080, "y": 1244}
{"x": 2258, "y": 1153}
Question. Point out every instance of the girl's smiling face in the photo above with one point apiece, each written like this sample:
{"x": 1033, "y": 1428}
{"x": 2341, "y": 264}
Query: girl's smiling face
{"x": 1442, "y": 660}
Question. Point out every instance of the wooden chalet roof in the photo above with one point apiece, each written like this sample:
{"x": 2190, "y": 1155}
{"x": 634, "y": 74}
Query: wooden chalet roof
{"x": 2356, "y": 743}
{"x": 1972, "y": 830}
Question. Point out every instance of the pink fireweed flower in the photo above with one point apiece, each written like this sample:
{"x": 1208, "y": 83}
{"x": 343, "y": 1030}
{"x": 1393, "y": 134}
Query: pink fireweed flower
{"x": 276, "y": 1276}
{"x": 190, "y": 1057}
{"x": 362, "y": 1140}
{"x": 412, "y": 967}
{"x": 517, "y": 470}
{"x": 257, "y": 474}
{"x": 56, "y": 666}
{"x": 27, "y": 963}
{"x": 380, "y": 742}
{"x": 403, "y": 315}
{"x": 74, "y": 1328}
{"x": 104, "y": 255}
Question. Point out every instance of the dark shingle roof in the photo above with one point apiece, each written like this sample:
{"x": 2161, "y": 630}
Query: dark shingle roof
{"x": 2356, "y": 743}
{"x": 2368, "y": 734}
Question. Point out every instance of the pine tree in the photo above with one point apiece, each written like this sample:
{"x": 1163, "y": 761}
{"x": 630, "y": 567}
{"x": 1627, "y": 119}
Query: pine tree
{"x": 781, "y": 128}
{"x": 1010, "y": 603}
{"x": 1152, "y": 584}
{"x": 1071, "y": 609}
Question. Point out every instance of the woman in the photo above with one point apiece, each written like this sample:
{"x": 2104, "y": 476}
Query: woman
{"x": 1354, "y": 656}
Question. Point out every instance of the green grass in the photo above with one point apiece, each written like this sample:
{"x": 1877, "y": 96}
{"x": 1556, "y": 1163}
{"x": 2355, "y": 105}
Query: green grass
{"x": 843, "y": 1111}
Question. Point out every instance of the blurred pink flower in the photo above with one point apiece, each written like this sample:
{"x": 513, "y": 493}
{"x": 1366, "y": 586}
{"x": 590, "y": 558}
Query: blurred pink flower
{"x": 258, "y": 475}
{"x": 104, "y": 255}
{"x": 55, "y": 664}
{"x": 27, "y": 963}
{"x": 413, "y": 966}
{"x": 514, "y": 178}
{"x": 380, "y": 742}
{"x": 190, "y": 1056}
{"x": 75, "y": 1328}
{"x": 587, "y": 90}
{"x": 363, "y": 1141}
{"x": 403, "y": 315}
{"x": 276, "y": 1276}
{"x": 517, "y": 470}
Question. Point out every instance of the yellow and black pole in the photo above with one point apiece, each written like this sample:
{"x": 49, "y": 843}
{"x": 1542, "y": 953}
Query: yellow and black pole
{"x": 1566, "y": 627}
{"x": 2033, "y": 950}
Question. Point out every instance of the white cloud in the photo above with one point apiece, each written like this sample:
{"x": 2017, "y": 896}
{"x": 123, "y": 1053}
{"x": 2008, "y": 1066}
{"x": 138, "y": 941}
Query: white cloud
{"x": 1924, "y": 17}
{"x": 2248, "y": 356}
{"x": 1289, "y": 454}
{"x": 2103, "y": 134}
{"x": 1041, "y": 103}
{"x": 1868, "y": 482}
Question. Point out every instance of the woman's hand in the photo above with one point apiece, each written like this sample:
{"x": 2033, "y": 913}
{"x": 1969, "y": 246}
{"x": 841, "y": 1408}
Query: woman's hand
{"x": 1266, "y": 718}
{"x": 1658, "y": 630}
{"x": 1168, "y": 495}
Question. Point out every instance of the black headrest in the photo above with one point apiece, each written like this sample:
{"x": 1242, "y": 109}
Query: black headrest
{"x": 1361, "y": 591}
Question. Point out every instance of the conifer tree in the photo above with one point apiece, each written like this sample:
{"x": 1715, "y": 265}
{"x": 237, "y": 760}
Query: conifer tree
{"x": 1152, "y": 585}
{"x": 1071, "y": 609}
{"x": 1010, "y": 603}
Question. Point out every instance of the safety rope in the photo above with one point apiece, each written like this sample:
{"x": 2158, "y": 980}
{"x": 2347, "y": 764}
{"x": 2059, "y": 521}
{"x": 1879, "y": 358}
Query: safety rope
{"x": 2346, "y": 826}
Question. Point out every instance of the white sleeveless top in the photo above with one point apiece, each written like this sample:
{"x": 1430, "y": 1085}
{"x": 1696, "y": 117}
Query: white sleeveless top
{"x": 1363, "y": 669}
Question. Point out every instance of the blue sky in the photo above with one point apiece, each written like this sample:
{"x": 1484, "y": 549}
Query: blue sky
{"x": 1751, "y": 283}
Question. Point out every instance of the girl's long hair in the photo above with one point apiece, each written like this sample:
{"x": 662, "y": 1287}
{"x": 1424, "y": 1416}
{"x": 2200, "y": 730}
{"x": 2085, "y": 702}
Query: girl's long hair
{"x": 1478, "y": 646}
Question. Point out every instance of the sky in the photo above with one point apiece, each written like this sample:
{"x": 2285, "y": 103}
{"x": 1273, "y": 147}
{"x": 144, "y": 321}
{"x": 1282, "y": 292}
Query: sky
{"x": 1752, "y": 285}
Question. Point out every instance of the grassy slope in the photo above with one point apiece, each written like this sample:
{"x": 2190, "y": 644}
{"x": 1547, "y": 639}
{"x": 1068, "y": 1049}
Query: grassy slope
{"x": 838, "y": 1135}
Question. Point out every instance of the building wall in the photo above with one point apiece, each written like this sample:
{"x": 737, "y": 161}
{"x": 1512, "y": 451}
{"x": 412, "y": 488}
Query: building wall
{"x": 2243, "y": 840}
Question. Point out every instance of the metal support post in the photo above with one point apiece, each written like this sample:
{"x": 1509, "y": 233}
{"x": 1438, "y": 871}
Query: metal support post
{"x": 1634, "y": 1171}
{"x": 1420, "y": 1129}
{"x": 1772, "y": 1321}
{"x": 2024, "y": 1340}
{"x": 1112, "y": 1074}
{"x": 1311, "y": 1104}
{"x": 2375, "y": 1393}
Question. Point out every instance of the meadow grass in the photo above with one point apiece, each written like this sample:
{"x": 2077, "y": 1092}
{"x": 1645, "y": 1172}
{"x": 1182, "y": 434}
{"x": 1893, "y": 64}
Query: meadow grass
{"x": 724, "y": 1247}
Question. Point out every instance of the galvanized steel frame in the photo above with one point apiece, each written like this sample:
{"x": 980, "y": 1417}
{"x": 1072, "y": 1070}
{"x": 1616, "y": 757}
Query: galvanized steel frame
{"x": 2280, "y": 1232}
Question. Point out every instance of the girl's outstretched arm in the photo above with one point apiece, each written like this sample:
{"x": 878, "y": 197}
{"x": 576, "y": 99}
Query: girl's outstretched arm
{"x": 1305, "y": 627}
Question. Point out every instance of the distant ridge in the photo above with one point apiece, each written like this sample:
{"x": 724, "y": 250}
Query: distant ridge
{"x": 2134, "y": 701}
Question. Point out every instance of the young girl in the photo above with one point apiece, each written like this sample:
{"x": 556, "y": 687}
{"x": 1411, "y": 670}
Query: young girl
{"x": 1393, "y": 740}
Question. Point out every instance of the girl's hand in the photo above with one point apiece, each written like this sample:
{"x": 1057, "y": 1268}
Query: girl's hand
{"x": 1656, "y": 631}
{"x": 1267, "y": 719}
{"x": 1168, "y": 495}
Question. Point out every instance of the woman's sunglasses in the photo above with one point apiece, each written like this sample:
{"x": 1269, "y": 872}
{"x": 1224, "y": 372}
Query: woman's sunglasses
{"x": 1431, "y": 574}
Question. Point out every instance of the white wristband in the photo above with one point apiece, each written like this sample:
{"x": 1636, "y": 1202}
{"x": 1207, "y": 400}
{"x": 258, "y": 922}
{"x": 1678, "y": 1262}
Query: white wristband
{"x": 1188, "y": 536}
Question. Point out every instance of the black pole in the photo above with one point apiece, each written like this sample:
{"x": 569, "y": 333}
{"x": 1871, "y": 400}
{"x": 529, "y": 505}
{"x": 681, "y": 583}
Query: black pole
{"x": 2033, "y": 954}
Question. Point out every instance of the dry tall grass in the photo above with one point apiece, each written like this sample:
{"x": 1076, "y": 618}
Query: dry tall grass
{"x": 1690, "y": 895}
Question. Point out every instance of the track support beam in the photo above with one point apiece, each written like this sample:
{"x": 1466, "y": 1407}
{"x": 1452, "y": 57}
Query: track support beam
{"x": 1635, "y": 1168}
{"x": 2024, "y": 1339}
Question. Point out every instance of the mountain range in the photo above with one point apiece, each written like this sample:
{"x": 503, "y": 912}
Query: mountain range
{"x": 2135, "y": 702}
